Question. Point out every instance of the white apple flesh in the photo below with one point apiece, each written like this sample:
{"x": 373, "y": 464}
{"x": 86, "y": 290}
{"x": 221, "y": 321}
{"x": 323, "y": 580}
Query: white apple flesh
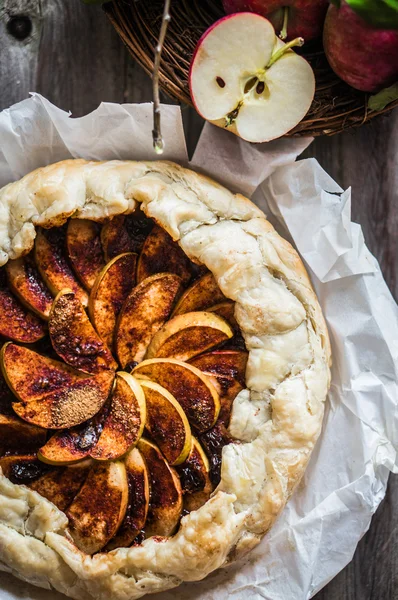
{"x": 243, "y": 78}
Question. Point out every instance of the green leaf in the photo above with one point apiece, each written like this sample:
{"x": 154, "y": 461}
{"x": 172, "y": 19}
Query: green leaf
{"x": 380, "y": 14}
{"x": 383, "y": 98}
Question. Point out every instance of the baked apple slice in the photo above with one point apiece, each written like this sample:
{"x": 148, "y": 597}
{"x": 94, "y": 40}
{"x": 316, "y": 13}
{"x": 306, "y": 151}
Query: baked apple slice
{"x": 213, "y": 441}
{"x": 99, "y": 508}
{"x": 204, "y": 292}
{"x": 166, "y": 495}
{"x": 25, "y": 282}
{"x": 138, "y": 502}
{"x": 61, "y": 485}
{"x": 74, "y": 338}
{"x": 22, "y": 469}
{"x": 110, "y": 290}
{"x": 49, "y": 393}
{"x": 73, "y": 445}
{"x": 189, "y": 334}
{"x": 166, "y": 422}
{"x": 160, "y": 254}
{"x": 53, "y": 265}
{"x": 144, "y": 312}
{"x": 16, "y": 322}
{"x": 125, "y": 233}
{"x": 83, "y": 241}
{"x": 226, "y": 370}
{"x": 124, "y": 424}
{"x": 17, "y": 436}
{"x": 193, "y": 390}
{"x": 194, "y": 477}
{"x": 226, "y": 310}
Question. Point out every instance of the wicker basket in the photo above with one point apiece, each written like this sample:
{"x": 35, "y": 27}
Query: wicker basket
{"x": 336, "y": 105}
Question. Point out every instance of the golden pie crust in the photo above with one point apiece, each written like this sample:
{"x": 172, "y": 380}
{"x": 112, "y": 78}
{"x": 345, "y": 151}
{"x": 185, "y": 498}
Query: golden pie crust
{"x": 275, "y": 421}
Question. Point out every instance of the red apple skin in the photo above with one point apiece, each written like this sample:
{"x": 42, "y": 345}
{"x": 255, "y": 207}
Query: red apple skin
{"x": 365, "y": 58}
{"x": 306, "y": 17}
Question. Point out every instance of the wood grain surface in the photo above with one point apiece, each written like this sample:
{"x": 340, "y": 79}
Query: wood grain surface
{"x": 73, "y": 57}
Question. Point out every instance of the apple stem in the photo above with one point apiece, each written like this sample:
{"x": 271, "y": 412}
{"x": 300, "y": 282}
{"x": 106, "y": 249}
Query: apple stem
{"x": 294, "y": 43}
{"x": 283, "y": 32}
{"x": 158, "y": 143}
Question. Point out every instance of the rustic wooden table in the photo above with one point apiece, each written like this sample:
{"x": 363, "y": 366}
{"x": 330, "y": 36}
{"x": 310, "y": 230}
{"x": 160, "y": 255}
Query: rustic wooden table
{"x": 70, "y": 54}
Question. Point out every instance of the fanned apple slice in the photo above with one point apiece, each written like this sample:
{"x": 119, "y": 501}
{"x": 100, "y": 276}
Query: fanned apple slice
{"x": 160, "y": 254}
{"x": 204, "y": 292}
{"x": 213, "y": 441}
{"x": 189, "y": 334}
{"x": 17, "y": 436}
{"x": 25, "y": 282}
{"x": 52, "y": 263}
{"x": 226, "y": 370}
{"x": 99, "y": 508}
{"x": 74, "y": 338}
{"x": 22, "y": 469}
{"x": 166, "y": 422}
{"x": 61, "y": 485}
{"x": 50, "y": 394}
{"x": 73, "y": 445}
{"x": 125, "y": 233}
{"x": 16, "y": 322}
{"x": 194, "y": 477}
{"x": 125, "y": 421}
{"x": 138, "y": 503}
{"x": 166, "y": 495}
{"x": 144, "y": 312}
{"x": 226, "y": 310}
{"x": 83, "y": 241}
{"x": 193, "y": 390}
{"x": 110, "y": 290}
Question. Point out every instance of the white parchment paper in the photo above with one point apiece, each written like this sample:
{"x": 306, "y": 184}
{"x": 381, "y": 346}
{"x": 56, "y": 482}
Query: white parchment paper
{"x": 317, "y": 533}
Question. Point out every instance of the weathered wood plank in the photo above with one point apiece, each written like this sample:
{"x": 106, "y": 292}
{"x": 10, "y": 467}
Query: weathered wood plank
{"x": 74, "y": 58}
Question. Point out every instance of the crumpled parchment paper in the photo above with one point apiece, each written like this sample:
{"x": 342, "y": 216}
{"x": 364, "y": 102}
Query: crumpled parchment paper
{"x": 317, "y": 534}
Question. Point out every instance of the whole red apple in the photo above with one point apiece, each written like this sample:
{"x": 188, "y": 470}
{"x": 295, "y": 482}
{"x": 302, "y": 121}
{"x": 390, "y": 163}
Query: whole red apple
{"x": 305, "y": 18}
{"x": 365, "y": 58}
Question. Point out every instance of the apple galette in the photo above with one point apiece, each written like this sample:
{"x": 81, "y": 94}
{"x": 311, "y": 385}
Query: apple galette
{"x": 164, "y": 370}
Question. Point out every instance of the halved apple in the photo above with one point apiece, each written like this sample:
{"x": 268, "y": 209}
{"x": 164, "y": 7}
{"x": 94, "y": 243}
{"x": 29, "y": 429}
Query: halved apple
{"x": 50, "y": 394}
{"x": 125, "y": 233}
{"x": 193, "y": 390}
{"x": 98, "y": 510}
{"x": 124, "y": 424}
{"x": 83, "y": 242}
{"x": 138, "y": 503}
{"x": 160, "y": 254}
{"x": 22, "y": 469}
{"x": 194, "y": 477}
{"x": 73, "y": 445}
{"x": 110, "y": 290}
{"x": 226, "y": 310}
{"x": 258, "y": 90}
{"x": 166, "y": 422}
{"x": 144, "y": 312}
{"x": 17, "y": 436}
{"x": 61, "y": 485}
{"x": 166, "y": 495}
{"x": 204, "y": 292}
{"x": 52, "y": 263}
{"x": 16, "y": 322}
{"x": 213, "y": 441}
{"x": 189, "y": 334}
{"x": 74, "y": 338}
{"x": 25, "y": 282}
{"x": 226, "y": 370}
